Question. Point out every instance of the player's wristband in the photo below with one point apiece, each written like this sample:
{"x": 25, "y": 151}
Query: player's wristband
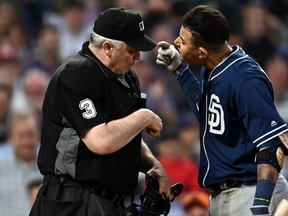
{"x": 259, "y": 210}
{"x": 180, "y": 70}
{"x": 264, "y": 191}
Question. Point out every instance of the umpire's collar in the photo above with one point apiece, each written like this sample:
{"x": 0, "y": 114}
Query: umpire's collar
{"x": 89, "y": 54}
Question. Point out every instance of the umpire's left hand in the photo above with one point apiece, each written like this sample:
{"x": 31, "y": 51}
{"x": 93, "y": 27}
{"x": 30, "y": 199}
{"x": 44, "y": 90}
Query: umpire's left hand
{"x": 159, "y": 174}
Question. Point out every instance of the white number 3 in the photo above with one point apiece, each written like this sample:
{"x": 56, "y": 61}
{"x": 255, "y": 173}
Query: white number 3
{"x": 90, "y": 111}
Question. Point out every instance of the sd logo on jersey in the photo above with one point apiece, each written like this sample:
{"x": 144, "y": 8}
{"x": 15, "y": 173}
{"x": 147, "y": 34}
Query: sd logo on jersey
{"x": 216, "y": 116}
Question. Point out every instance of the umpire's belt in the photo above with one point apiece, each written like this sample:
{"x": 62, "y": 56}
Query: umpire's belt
{"x": 115, "y": 197}
{"x": 64, "y": 181}
{"x": 224, "y": 185}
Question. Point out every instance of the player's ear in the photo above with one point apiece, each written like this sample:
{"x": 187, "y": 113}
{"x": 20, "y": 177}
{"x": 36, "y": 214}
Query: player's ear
{"x": 203, "y": 53}
{"x": 107, "y": 48}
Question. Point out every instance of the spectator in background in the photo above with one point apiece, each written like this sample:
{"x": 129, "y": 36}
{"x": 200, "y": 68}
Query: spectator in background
{"x": 189, "y": 135}
{"x": 13, "y": 38}
{"x": 145, "y": 74}
{"x": 9, "y": 69}
{"x": 72, "y": 28}
{"x": 47, "y": 56}
{"x": 8, "y": 16}
{"x": 33, "y": 187}
{"x": 178, "y": 166}
{"x": 276, "y": 68}
{"x": 5, "y": 100}
{"x": 34, "y": 85}
{"x": 9, "y": 72}
{"x": 17, "y": 167}
{"x": 133, "y": 4}
{"x": 161, "y": 100}
{"x": 31, "y": 13}
{"x": 256, "y": 41}
{"x": 163, "y": 6}
{"x": 17, "y": 43}
{"x": 196, "y": 204}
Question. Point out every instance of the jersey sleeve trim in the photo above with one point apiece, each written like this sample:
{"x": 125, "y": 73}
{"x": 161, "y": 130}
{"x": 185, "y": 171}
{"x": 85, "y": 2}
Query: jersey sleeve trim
{"x": 270, "y": 135}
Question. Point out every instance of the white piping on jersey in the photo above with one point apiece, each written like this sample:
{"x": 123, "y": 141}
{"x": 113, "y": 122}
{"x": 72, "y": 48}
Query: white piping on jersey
{"x": 228, "y": 66}
{"x": 208, "y": 162}
{"x": 268, "y": 133}
{"x": 270, "y": 137}
{"x": 223, "y": 61}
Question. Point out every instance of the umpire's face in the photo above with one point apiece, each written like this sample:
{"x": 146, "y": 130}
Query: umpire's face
{"x": 121, "y": 60}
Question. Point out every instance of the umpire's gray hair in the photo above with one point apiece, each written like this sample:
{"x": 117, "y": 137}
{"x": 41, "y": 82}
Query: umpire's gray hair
{"x": 98, "y": 40}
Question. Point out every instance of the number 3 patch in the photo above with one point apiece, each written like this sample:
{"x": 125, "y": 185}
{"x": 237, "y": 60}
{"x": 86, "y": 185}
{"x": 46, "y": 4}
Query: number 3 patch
{"x": 90, "y": 111}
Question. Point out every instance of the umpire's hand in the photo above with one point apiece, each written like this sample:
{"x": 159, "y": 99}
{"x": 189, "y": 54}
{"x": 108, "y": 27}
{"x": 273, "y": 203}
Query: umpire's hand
{"x": 155, "y": 126}
{"x": 159, "y": 174}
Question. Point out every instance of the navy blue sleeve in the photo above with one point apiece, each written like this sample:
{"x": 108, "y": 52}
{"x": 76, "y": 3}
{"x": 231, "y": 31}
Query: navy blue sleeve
{"x": 257, "y": 112}
{"x": 191, "y": 87}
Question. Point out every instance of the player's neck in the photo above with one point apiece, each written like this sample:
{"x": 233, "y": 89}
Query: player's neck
{"x": 216, "y": 57}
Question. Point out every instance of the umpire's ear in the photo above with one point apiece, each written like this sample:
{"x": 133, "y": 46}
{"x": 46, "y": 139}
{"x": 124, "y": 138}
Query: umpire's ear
{"x": 203, "y": 53}
{"x": 107, "y": 48}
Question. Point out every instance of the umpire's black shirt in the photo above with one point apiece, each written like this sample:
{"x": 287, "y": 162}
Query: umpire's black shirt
{"x": 84, "y": 93}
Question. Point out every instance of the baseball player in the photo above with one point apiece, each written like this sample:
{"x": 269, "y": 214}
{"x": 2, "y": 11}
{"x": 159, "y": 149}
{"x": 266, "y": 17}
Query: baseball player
{"x": 93, "y": 115}
{"x": 241, "y": 132}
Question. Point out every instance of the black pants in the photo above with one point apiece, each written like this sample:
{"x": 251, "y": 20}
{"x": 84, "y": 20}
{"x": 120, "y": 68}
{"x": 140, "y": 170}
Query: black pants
{"x": 66, "y": 198}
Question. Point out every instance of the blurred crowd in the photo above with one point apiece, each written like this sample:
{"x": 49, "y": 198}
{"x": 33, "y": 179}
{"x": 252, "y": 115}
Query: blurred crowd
{"x": 37, "y": 35}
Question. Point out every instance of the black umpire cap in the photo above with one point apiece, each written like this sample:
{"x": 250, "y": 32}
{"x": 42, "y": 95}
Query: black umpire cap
{"x": 125, "y": 25}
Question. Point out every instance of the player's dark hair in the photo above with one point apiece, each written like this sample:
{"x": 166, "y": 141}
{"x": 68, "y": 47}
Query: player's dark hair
{"x": 207, "y": 25}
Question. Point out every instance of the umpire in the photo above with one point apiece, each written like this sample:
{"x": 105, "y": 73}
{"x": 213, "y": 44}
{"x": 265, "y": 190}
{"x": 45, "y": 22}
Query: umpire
{"x": 93, "y": 114}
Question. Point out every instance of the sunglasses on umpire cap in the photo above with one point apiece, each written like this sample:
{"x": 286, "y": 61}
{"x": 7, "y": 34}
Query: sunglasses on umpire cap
{"x": 125, "y": 25}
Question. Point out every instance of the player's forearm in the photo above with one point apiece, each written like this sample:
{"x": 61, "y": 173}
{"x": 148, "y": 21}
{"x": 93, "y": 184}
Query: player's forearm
{"x": 267, "y": 172}
{"x": 267, "y": 176}
{"x": 266, "y": 179}
{"x": 109, "y": 137}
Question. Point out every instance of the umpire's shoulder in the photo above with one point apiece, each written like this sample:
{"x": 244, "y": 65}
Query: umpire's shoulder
{"x": 79, "y": 72}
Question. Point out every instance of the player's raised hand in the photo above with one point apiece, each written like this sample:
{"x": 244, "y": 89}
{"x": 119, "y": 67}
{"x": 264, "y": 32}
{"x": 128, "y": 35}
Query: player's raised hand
{"x": 168, "y": 56}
